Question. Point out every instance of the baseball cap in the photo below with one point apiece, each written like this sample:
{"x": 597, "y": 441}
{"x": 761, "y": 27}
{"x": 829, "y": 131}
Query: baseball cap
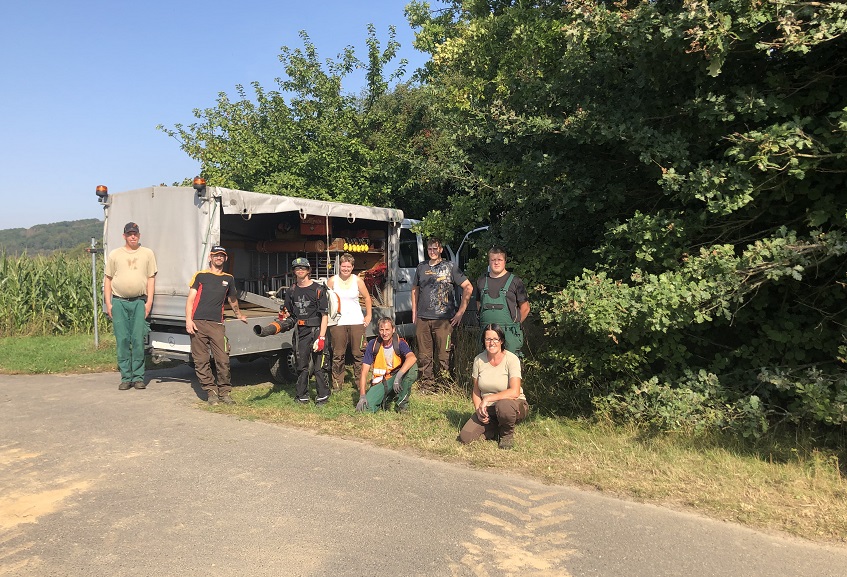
{"x": 301, "y": 262}
{"x": 131, "y": 227}
{"x": 217, "y": 249}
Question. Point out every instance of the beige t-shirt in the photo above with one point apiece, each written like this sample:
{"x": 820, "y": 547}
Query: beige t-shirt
{"x": 129, "y": 271}
{"x": 491, "y": 379}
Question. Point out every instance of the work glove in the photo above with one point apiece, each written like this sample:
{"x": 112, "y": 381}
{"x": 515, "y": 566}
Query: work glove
{"x": 319, "y": 344}
{"x": 362, "y": 405}
{"x": 398, "y": 382}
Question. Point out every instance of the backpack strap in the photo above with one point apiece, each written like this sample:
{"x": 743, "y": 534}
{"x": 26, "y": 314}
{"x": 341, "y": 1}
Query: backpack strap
{"x": 395, "y": 343}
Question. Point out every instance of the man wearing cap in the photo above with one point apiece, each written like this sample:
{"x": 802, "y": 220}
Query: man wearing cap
{"x": 306, "y": 302}
{"x": 128, "y": 287}
{"x": 204, "y": 321}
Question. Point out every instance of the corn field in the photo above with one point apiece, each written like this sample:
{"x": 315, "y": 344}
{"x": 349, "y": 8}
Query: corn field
{"x": 48, "y": 295}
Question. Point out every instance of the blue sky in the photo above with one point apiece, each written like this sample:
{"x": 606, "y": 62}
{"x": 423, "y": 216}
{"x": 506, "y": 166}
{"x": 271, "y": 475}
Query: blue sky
{"x": 84, "y": 84}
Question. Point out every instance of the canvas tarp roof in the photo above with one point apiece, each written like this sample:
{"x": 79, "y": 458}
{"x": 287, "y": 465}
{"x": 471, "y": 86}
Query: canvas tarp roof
{"x": 181, "y": 227}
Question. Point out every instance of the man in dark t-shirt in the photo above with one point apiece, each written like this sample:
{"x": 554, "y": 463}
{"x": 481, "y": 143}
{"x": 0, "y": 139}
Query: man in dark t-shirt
{"x": 435, "y": 313}
{"x": 204, "y": 321}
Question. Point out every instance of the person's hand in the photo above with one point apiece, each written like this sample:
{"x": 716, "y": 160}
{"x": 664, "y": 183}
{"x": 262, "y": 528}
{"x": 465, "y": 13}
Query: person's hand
{"x": 319, "y": 344}
{"x": 190, "y": 327}
{"x": 456, "y": 319}
{"x": 482, "y": 412}
{"x": 242, "y": 318}
{"x": 362, "y": 405}
{"x": 367, "y": 320}
{"x": 398, "y": 382}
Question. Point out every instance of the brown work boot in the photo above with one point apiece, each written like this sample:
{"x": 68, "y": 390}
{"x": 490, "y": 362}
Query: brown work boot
{"x": 212, "y": 398}
{"x": 227, "y": 400}
{"x": 507, "y": 442}
{"x": 125, "y": 386}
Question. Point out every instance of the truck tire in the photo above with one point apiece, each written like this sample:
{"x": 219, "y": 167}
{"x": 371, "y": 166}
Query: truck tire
{"x": 283, "y": 367}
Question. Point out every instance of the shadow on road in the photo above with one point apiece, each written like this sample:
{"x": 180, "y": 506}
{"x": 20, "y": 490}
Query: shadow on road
{"x": 243, "y": 374}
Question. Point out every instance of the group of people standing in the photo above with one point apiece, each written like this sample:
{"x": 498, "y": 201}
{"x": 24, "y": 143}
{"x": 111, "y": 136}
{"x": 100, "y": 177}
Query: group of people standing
{"x": 385, "y": 368}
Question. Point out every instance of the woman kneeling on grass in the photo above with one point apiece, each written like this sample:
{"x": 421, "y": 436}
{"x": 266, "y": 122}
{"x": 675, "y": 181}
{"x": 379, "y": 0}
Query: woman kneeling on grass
{"x": 497, "y": 393}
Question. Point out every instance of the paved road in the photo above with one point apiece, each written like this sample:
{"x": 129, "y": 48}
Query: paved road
{"x": 100, "y": 482}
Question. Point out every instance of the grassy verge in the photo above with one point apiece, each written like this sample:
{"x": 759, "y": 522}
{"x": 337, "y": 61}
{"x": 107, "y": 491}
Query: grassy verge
{"x": 59, "y": 354}
{"x": 775, "y": 484}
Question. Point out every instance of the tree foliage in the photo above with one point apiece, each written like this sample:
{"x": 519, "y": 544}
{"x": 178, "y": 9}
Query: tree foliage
{"x": 672, "y": 175}
{"x": 48, "y": 238}
{"x": 312, "y": 139}
{"x": 668, "y": 174}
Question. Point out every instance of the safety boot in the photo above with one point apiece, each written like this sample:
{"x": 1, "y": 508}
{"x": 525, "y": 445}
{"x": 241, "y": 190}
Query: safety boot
{"x": 507, "y": 442}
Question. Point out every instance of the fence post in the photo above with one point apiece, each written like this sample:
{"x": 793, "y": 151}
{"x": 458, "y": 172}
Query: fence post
{"x": 94, "y": 252}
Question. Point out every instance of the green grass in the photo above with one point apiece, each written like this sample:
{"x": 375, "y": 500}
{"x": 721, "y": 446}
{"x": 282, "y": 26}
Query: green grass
{"x": 57, "y": 354}
{"x": 785, "y": 483}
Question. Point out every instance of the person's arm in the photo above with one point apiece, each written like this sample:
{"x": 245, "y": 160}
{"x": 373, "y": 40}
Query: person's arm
{"x": 467, "y": 291}
{"x": 189, "y": 311}
{"x": 363, "y": 291}
{"x": 320, "y": 344}
{"x": 107, "y": 295}
{"x": 479, "y": 285}
{"x": 480, "y": 406}
{"x": 233, "y": 303}
{"x": 523, "y": 308}
{"x": 363, "y": 379}
{"x": 410, "y": 360}
{"x": 151, "y": 291}
{"x": 414, "y": 304}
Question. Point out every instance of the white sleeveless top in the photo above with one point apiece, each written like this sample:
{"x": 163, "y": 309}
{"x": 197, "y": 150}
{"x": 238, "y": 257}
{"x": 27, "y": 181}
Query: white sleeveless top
{"x": 348, "y": 293}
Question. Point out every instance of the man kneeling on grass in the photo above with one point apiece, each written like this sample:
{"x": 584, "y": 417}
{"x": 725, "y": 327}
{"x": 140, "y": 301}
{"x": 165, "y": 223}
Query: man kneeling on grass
{"x": 394, "y": 367}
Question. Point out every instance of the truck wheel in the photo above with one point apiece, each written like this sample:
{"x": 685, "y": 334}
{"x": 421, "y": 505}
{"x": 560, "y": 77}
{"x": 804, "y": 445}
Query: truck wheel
{"x": 283, "y": 367}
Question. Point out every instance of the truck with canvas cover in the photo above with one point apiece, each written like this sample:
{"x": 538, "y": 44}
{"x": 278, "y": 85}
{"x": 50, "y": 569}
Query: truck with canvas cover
{"x": 263, "y": 234}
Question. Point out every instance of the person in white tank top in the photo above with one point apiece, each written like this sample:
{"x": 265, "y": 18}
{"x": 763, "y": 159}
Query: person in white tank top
{"x": 350, "y": 330}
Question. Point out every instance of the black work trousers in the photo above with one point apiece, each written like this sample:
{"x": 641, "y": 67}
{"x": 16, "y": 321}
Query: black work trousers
{"x": 310, "y": 362}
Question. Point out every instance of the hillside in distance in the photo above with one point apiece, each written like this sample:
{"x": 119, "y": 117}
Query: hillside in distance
{"x": 47, "y": 238}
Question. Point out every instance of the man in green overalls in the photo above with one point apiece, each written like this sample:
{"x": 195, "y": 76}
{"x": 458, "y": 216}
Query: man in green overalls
{"x": 501, "y": 298}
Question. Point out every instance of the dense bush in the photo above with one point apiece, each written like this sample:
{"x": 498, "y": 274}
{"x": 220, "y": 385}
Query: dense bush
{"x": 672, "y": 175}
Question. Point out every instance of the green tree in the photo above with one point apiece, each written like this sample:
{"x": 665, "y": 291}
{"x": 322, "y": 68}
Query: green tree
{"x": 672, "y": 174}
{"x": 309, "y": 138}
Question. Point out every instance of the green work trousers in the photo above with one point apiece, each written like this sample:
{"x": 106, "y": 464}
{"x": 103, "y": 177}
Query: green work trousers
{"x": 381, "y": 394}
{"x": 130, "y": 326}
